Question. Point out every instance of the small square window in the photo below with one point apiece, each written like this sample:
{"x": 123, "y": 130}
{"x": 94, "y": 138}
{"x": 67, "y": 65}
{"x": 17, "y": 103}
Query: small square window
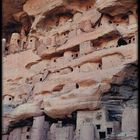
{"x": 102, "y": 135}
{"x": 98, "y": 126}
{"x": 28, "y": 129}
{"x": 109, "y": 130}
{"x": 27, "y": 137}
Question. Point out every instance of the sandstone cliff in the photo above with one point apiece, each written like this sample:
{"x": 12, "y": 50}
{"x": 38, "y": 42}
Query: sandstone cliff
{"x": 68, "y": 57}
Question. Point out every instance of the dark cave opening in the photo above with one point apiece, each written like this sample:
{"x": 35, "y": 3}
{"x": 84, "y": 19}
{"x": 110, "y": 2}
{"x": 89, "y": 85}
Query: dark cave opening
{"x": 65, "y": 121}
{"x": 121, "y": 42}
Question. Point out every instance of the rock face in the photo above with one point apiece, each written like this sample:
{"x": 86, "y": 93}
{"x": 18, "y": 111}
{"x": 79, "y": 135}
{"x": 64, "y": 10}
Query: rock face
{"x": 71, "y": 68}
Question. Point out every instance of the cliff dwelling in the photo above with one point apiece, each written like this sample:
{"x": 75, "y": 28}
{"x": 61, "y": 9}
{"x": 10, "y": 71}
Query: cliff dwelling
{"x": 70, "y": 70}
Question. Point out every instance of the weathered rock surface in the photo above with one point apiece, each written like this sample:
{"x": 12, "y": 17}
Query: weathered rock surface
{"x": 26, "y": 110}
{"x": 115, "y": 7}
{"x": 69, "y": 56}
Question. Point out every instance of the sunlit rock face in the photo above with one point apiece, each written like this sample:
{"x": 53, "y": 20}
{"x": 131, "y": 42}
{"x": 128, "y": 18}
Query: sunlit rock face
{"x": 65, "y": 57}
